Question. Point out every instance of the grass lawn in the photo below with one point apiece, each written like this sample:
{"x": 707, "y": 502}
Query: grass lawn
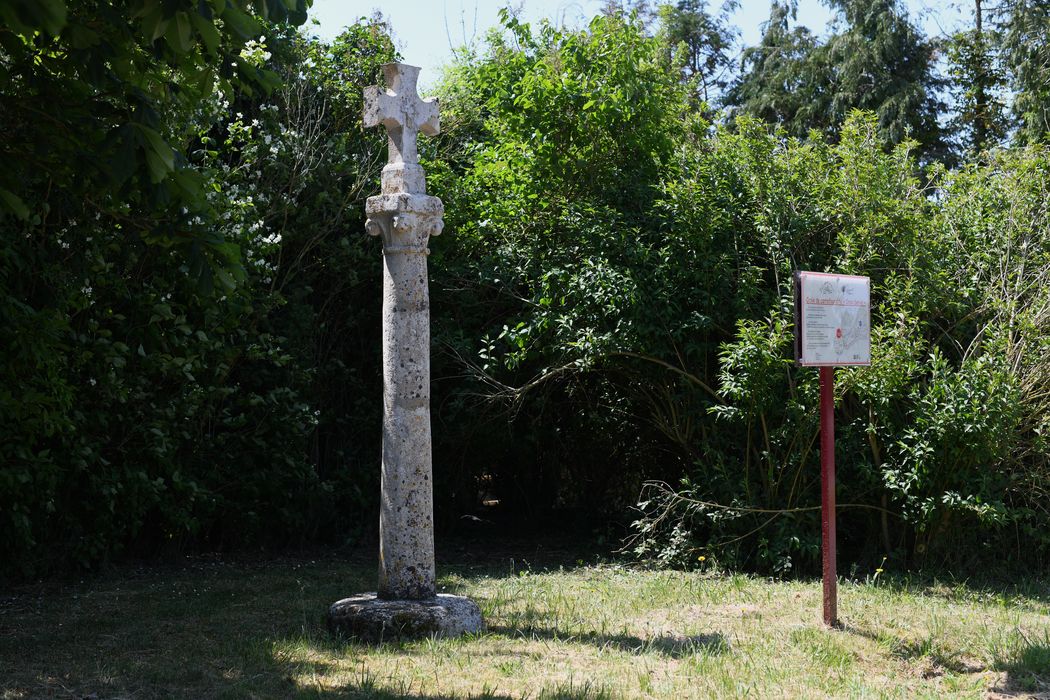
{"x": 235, "y": 629}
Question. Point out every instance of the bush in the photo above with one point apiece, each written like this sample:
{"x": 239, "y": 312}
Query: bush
{"x": 636, "y": 321}
{"x": 157, "y": 398}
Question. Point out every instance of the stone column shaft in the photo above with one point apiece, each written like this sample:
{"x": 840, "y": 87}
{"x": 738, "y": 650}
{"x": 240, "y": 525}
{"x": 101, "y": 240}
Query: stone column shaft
{"x": 406, "y": 549}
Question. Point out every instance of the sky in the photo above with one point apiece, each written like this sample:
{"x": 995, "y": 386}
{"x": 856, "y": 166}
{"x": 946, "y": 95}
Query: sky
{"x": 425, "y": 31}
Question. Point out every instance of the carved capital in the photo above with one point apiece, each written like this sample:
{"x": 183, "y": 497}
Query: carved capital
{"x": 404, "y": 221}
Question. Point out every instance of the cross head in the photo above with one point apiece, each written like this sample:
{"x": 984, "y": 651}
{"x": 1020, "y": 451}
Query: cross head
{"x": 400, "y": 109}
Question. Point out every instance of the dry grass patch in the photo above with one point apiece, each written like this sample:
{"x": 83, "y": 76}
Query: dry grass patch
{"x": 229, "y": 630}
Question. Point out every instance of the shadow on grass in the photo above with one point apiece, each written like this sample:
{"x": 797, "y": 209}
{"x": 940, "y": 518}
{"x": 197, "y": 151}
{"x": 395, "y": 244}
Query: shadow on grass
{"x": 939, "y": 659}
{"x": 1002, "y": 590}
{"x": 378, "y": 692}
{"x": 670, "y": 645}
{"x": 1028, "y": 670}
{"x": 368, "y": 684}
{"x": 563, "y": 691}
{"x": 232, "y": 629}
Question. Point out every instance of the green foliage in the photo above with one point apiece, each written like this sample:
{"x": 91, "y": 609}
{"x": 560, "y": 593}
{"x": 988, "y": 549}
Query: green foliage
{"x": 877, "y": 60}
{"x": 659, "y": 321}
{"x": 978, "y": 79}
{"x": 783, "y": 77}
{"x": 941, "y": 431}
{"x": 124, "y": 81}
{"x": 552, "y": 158}
{"x": 1025, "y": 25}
{"x": 153, "y": 401}
{"x": 884, "y": 64}
{"x": 189, "y": 314}
{"x": 702, "y": 42}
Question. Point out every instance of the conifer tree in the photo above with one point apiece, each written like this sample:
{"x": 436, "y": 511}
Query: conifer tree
{"x": 1025, "y": 28}
{"x": 978, "y": 81}
{"x": 882, "y": 62}
{"x": 784, "y": 80}
{"x": 877, "y": 60}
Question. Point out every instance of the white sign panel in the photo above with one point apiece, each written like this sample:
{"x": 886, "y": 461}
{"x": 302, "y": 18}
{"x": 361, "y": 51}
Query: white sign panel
{"x": 832, "y": 319}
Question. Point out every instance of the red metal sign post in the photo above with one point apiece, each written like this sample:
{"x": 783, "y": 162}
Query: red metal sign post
{"x": 832, "y": 327}
{"x": 827, "y": 493}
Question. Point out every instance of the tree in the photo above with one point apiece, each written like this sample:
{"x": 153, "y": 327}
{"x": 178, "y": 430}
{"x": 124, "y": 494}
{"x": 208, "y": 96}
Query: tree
{"x": 978, "y": 82}
{"x": 881, "y": 62}
{"x": 877, "y": 61}
{"x": 1025, "y": 28}
{"x": 642, "y": 8}
{"x": 127, "y": 366}
{"x": 785, "y": 79}
{"x": 89, "y": 92}
{"x": 702, "y": 41}
{"x": 557, "y": 144}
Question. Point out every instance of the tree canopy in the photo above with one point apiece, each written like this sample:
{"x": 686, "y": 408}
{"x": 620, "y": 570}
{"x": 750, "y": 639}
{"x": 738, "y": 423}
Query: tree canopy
{"x": 189, "y": 307}
{"x": 875, "y": 60}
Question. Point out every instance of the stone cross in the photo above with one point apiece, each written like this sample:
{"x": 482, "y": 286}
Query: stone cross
{"x": 401, "y": 111}
{"x": 405, "y": 217}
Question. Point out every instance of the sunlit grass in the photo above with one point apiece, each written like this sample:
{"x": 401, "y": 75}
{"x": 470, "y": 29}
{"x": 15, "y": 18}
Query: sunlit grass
{"x": 227, "y": 630}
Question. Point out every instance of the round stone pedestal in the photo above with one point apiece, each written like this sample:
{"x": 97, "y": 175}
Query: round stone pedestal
{"x": 372, "y": 619}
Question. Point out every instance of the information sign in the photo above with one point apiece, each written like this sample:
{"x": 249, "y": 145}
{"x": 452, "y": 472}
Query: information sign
{"x": 832, "y": 319}
{"x": 832, "y": 327}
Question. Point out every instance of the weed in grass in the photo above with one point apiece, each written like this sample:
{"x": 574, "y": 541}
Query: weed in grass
{"x": 1027, "y": 666}
{"x": 570, "y": 691}
{"x": 366, "y": 681}
{"x": 509, "y": 667}
{"x": 645, "y": 682}
{"x": 488, "y": 693}
{"x": 822, "y": 647}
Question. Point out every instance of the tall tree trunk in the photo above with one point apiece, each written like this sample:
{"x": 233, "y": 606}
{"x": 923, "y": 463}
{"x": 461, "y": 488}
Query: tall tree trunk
{"x": 981, "y": 125}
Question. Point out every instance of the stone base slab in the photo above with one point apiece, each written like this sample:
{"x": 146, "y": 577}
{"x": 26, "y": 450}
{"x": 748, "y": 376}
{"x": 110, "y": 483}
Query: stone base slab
{"x": 371, "y": 619}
